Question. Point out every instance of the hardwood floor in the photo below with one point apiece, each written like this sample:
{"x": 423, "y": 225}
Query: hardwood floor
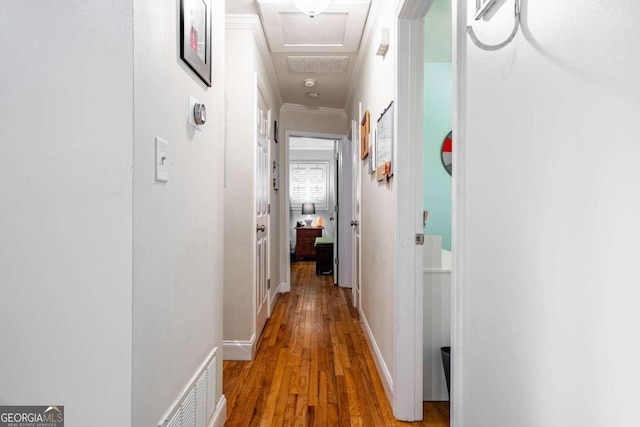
{"x": 313, "y": 366}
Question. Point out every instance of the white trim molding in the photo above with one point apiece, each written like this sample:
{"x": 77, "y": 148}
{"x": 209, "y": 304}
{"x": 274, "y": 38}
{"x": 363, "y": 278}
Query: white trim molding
{"x": 364, "y": 48}
{"x": 273, "y": 298}
{"x": 285, "y": 206}
{"x": 284, "y": 287}
{"x": 252, "y": 22}
{"x": 408, "y": 198}
{"x": 220, "y": 416}
{"x": 458, "y": 188}
{"x": 437, "y": 270}
{"x": 387, "y": 380}
{"x": 239, "y": 350}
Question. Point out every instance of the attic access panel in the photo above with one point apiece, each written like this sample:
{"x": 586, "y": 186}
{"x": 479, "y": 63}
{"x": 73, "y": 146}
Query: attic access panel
{"x": 338, "y": 29}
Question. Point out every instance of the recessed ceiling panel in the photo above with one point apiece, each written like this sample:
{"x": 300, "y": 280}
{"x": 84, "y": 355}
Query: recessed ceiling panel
{"x": 338, "y": 29}
{"x": 326, "y": 29}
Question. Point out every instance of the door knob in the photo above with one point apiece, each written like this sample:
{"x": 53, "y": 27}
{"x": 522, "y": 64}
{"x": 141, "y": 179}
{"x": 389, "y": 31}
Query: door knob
{"x": 354, "y": 222}
{"x": 260, "y": 227}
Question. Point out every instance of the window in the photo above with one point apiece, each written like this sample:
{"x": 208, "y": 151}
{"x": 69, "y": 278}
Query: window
{"x": 308, "y": 183}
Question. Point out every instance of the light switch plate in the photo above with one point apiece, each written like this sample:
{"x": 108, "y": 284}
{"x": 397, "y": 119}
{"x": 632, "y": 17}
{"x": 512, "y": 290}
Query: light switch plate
{"x": 192, "y": 120}
{"x": 162, "y": 160}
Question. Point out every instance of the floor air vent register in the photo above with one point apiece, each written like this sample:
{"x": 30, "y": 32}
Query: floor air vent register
{"x": 197, "y": 405}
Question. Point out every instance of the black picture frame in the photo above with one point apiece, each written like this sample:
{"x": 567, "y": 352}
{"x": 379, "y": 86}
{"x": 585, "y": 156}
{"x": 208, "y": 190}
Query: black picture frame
{"x": 195, "y": 30}
{"x": 275, "y": 131}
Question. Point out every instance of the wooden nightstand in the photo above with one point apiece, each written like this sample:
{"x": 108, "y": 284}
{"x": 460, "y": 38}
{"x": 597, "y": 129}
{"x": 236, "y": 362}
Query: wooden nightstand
{"x": 305, "y": 241}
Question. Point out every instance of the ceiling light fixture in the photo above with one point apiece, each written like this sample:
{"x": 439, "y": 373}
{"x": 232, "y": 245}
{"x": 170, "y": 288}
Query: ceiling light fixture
{"x": 312, "y": 7}
{"x": 313, "y": 94}
{"x": 309, "y": 82}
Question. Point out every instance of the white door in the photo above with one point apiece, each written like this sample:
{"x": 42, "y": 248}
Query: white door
{"x": 335, "y": 219}
{"x": 355, "y": 209}
{"x": 344, "y": 215}
{"x": 261, "y": 189}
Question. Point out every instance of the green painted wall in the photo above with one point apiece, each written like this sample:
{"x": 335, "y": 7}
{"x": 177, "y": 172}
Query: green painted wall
{"x": 437, "y": 30}
{"x": 438, "y": 94}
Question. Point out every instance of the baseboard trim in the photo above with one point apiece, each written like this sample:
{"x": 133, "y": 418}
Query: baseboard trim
{"x": 220, "y": 416}
{"x": 239, "y": 350}
{"x": 273, "y": 298}
{"x": 284, "y": 287}
{"x": 385, "y": 375}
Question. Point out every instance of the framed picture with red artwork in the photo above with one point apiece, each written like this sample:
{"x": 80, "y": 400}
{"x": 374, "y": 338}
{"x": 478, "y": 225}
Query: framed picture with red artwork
{"x": 195, "y": 37}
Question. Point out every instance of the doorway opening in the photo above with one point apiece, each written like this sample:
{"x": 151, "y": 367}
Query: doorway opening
{"x": 424, "y": 51}
{"x": 437, "y": 199}
{"x": 313, "y": 216}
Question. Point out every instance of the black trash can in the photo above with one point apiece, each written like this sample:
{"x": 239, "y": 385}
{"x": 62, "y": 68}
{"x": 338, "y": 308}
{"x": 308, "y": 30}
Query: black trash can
{"x": 446, "y": 363}
{"x": 324, "y": 255}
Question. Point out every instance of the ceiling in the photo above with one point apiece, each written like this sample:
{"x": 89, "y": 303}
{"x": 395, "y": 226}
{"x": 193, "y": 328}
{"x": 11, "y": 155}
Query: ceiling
{"x": 323, "y": 48}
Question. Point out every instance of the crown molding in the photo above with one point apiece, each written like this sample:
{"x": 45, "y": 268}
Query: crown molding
{"x": 363, "y": 51}
{"x": 253, "y": 23}
{"x": 242, "y": 21}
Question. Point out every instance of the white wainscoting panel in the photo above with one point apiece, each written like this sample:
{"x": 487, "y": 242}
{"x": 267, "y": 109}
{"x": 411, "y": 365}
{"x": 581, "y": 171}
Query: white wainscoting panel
{"x": 437, "y": 323}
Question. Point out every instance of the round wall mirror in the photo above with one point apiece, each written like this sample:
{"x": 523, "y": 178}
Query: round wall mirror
{"x": 446, "y": 152}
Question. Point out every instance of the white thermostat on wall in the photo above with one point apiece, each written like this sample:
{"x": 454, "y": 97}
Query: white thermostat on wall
{"x": 200, "y": 114}
{"x": 197, "y": 113}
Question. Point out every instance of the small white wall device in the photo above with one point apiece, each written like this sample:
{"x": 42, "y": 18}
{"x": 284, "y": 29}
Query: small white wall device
{"x": 200, "y": 114}
{"x": 384, "y": 42}
{"x": 197, "y": 113}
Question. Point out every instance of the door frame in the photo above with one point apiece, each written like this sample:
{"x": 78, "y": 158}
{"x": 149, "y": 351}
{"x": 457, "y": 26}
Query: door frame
{"x": 285, "y": 235}
{"x": 459, "y": 52}
{"x": 408, "y": 274}
{"x": 336, "y": 215}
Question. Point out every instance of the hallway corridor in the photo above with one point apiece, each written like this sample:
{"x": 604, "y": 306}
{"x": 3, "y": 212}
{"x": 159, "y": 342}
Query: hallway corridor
{"x": 313, "y": 366}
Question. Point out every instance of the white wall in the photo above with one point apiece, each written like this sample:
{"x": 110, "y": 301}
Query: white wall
{"x": 66, "y": 134}
{"x": 84, "y": 332}
{"x": 308, "y": 119}
{"x": 239, "y": 222}
{"x": 178, "y": 226}
{"x": 242, "y": 63}
{"x": 274, "y": 219}
{"x": 548, "y": 326}
{"x": 375, "y": 89}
